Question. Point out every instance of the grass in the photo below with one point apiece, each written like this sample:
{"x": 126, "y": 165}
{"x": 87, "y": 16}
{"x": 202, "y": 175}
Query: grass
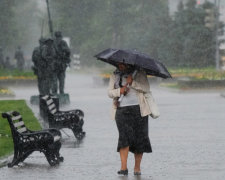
{"x": 191, "y": 70}
{"x": 5, "y": 74}
{"x": 170, "y": 85}
{"x": 209, "y": 73}
{"x": 6, "y": 143}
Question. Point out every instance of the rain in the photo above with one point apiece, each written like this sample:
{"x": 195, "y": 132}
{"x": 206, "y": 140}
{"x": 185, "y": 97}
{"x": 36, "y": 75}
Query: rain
{"x": 67, "y": 51}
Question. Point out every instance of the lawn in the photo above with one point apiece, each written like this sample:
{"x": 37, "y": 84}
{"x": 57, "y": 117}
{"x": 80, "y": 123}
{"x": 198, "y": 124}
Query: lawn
{"x": 209, "y": 73}
{"x": 6, "y": 142}
{"x": 16, "y": 74}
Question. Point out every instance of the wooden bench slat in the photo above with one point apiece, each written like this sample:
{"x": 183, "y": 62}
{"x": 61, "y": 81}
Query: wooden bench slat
{"x": 56, "y": 138}
{"x": 21, "y": 130}
{"x": 52, "y": 106}
{"x": 16, "y": 117}
{"x": 50, "y": 101}
{"x": 21, "y": 123}
{"x": 9, "y": 113}
{"x": 53, "y": 111}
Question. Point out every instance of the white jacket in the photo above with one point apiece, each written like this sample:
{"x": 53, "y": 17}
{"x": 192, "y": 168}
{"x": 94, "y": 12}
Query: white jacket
{"x": 141, "y": 85}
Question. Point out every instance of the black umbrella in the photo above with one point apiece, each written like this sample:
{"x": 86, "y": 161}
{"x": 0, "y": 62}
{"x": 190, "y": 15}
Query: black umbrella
{"x": 135, "y": 58}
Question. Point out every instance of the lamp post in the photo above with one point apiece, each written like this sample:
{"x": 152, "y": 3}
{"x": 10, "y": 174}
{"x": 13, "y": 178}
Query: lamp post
{"x": 49, "y": 19}
{"x": 217, "y": 55}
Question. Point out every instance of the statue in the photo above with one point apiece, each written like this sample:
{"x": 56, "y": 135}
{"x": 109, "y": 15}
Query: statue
{"x": 62, "y": 60}
{"x": 56, "y": 57}
{"x": 19, "y": 58}
{"x": 1, "y": 58}
{"x": 7, "y": 64}
{"x": 48, "y": 53}
{"x": 40, "y": 68}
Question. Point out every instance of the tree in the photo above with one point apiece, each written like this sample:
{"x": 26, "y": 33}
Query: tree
{"x": 194, "y": 43}
{"x": 18, "y": 25}
{"x": 177, "y": 35}
{"x": 7, "y": 23}
{"x": 96, "y": 25}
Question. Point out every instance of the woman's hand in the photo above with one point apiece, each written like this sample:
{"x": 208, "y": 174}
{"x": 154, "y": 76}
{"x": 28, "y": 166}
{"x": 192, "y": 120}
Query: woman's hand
{"x": 129, "y": 79}
{"x": 124, "y": 90}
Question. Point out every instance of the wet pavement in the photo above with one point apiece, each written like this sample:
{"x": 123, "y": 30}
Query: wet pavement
{"x": 188, "y": 139}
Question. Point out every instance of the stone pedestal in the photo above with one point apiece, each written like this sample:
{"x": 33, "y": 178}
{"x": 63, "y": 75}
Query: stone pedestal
{"x": 34, "y": 100}
{"x": 64, "y": 99}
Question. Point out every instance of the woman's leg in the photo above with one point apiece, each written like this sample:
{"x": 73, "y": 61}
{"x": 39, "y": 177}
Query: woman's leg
{"x": 138, "y": 158}
{"x": 123, "y": 157}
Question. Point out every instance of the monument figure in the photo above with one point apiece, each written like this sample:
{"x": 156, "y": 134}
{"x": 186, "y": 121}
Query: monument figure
{"x": 19, "y": 56}
{"x": 62, "y": 60}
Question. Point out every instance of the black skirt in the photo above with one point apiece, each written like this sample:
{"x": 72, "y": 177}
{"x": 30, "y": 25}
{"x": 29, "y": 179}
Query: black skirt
{"x": 133, "y": 129}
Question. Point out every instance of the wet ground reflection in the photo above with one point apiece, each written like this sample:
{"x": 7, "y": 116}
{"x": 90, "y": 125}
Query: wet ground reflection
{"x": 188, "y": 139}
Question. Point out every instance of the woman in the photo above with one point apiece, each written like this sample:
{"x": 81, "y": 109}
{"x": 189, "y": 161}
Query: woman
{"x": 131, "y": 114}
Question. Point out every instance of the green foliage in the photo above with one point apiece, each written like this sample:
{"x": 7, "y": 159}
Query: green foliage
{"x": 17, "y": 73}
{"x": 191, "y": 70}
{"x": 18, "y": 27}
{"x": 193, "y": 43}
{"x": 6, "y": 143}
{"x": 171, "y": 85}
{"x": 145, "y": 25}
{"x": 209, "y": 73}
{"x": 97, "y": 25}
{"x": 7, "y": 30}
{"x": 182, "y": 40}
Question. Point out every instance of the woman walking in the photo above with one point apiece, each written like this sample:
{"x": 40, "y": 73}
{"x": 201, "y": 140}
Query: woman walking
{"x": 131, "y": 113}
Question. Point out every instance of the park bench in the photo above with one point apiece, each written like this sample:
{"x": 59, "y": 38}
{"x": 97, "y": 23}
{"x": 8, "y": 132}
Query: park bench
{"x": 72, "y": 119}
{"x": 27, "y": 141}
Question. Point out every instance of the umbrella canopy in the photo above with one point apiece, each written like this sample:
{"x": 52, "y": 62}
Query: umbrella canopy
{"x": 135, "y": 58}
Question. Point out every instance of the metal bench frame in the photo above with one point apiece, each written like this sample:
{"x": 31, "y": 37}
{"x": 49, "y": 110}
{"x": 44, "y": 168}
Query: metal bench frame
{"x": 72, "y": 119}
{"x": 26, "y": 141}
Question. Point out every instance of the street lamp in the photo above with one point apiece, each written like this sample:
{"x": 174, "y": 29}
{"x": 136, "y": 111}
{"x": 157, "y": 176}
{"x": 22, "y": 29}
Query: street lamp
{"x": 217, "y": 8}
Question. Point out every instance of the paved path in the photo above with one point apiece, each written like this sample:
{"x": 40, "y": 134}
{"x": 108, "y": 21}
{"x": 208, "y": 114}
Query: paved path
{"x": 188, "y": 139}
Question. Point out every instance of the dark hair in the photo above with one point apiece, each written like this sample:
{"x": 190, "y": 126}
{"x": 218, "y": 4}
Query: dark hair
{"x": 129, "y": 68}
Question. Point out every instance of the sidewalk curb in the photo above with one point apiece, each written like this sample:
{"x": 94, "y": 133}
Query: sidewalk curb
{"x": 4, "y": 161}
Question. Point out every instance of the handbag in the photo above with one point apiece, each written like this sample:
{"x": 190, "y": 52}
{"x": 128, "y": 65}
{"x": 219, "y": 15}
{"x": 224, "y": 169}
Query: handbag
{"x": 152, "y": 106}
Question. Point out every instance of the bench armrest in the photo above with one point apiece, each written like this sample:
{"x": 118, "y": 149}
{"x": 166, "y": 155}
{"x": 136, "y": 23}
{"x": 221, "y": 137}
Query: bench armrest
{"x": 53, "y": 131}
{"x": 50, "y": 136}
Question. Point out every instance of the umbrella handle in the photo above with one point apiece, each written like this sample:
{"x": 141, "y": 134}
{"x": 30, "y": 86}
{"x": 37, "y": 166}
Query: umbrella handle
{"x": 122, "y": 95}
{"x": 121, "y": 98}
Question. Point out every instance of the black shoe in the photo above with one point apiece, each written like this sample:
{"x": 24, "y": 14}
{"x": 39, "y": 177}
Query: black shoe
{"x": 137, "y": 173}
{"x": 123, "y": 172}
